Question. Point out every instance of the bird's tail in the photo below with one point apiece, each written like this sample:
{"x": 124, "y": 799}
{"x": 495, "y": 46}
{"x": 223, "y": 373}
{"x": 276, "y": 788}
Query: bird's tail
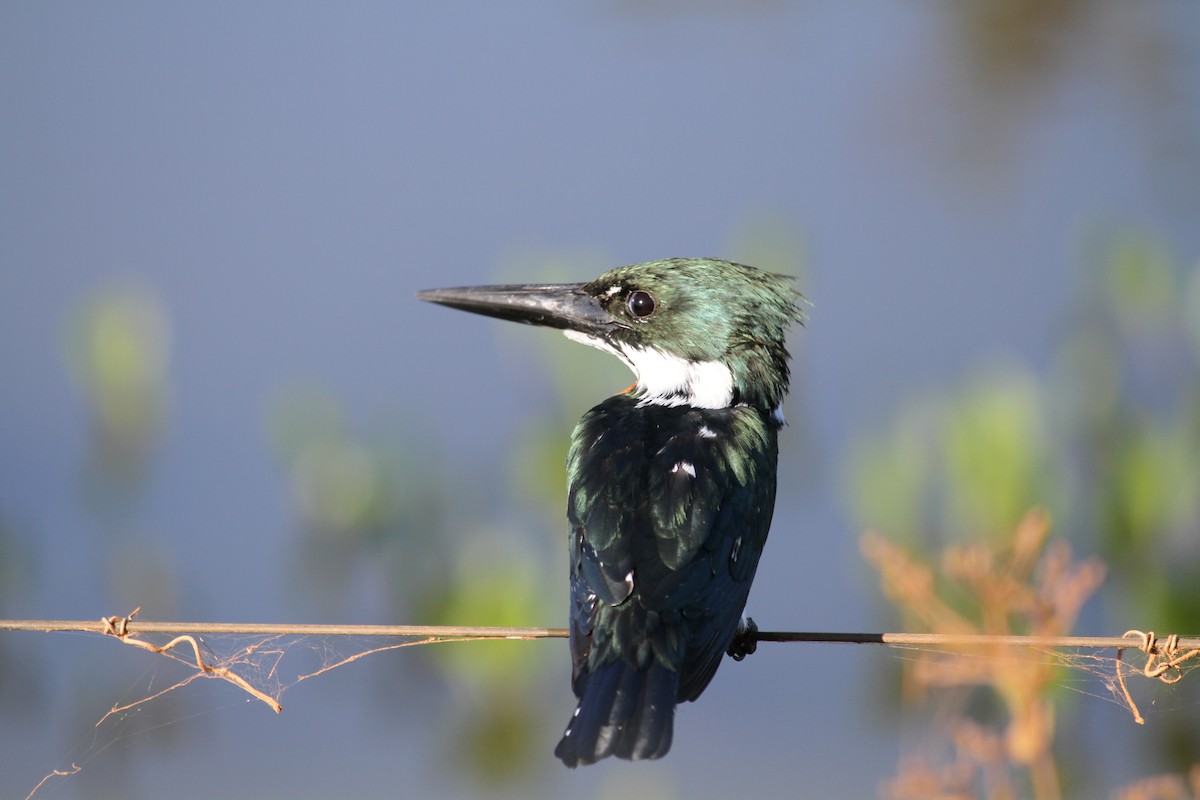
{"x": 624, "y": 712}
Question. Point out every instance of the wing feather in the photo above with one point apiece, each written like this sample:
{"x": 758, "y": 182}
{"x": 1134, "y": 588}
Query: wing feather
{"x": 669, "y": 509}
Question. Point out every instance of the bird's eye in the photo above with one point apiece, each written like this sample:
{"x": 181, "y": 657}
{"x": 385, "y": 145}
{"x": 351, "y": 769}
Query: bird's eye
{"x": 640, "y": 304}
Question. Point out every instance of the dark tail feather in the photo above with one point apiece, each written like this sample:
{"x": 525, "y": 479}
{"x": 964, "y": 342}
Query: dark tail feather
{"x": 624, "y": 712}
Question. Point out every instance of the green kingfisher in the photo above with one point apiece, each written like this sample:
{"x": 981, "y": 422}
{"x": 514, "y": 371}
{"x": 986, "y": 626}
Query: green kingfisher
{"x": 671, "y": 482}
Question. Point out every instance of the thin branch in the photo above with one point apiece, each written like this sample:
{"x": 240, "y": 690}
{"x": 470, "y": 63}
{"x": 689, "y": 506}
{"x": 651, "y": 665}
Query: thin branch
{"x": 437, "y": 632}
{"x": 966, "y": 640}
{"x": 133, "y": 627}
{"x": 1164, "y": 658}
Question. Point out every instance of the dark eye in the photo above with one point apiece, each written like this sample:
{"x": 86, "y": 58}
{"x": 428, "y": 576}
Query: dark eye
{"x": 640, "y": 304}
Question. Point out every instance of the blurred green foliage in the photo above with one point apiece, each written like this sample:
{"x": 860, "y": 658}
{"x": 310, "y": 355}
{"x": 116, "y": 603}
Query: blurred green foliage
{"x": 1109, "y": 440}
{"x": 371, "y": 508}
{"x": 21, "y": 685}
{"x": 118, "y": 355}
{"x": 499, "y": 717}
{"x": 969, "y": 462}
{"x": 18, "y": 559}
{"x": 368, "y": 500}
{"x": 1138, "y": 439}
{"x": 343, "y": 486}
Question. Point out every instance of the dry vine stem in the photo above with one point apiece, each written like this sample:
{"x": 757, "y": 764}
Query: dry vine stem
{"x": 119, "y": 627}
{"x": 1170, "y": 656}
{"x": 57, "y": 773}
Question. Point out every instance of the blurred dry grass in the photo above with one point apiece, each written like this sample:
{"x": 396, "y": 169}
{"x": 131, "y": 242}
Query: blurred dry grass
{"x": 1027, "y": 585}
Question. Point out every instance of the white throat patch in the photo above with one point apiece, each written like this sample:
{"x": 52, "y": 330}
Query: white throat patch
{"x": 668, "y": 380}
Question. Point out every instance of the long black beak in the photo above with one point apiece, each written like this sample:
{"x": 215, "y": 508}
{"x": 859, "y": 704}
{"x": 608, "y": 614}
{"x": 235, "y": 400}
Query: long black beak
{"x": 553, "y": 305}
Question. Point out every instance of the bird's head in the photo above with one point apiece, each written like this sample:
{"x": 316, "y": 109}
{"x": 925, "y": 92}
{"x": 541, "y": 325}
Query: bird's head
{"x": 695, "y": 331}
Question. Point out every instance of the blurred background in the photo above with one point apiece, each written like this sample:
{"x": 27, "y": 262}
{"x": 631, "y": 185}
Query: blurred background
{"x": 220, "y": 400}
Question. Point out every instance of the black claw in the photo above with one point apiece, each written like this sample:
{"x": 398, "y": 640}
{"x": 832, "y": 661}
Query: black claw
{"x": 745, "y": 640}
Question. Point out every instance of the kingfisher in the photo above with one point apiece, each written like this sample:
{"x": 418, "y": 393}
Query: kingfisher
{"x": 671, "y": 483}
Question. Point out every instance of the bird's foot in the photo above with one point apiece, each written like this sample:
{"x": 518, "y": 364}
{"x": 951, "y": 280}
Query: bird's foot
{"x": 745, "y": 640}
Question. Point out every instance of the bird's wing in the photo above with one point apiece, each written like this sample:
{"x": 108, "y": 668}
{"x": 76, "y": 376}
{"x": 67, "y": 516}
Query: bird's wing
{"x": 669, "y": 511}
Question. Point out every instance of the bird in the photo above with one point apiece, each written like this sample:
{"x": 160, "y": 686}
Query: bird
{"x": 671, "y": 483}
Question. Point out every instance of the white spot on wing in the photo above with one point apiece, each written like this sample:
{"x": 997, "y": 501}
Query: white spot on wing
{"x": 737, "y": 548}
{"x": 707, "y": 432}
{"x": 686, "y": 466}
